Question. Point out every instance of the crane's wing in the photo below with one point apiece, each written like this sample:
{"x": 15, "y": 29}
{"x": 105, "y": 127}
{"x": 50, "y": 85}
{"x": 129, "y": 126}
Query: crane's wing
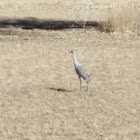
{"x": 82, "y": 72}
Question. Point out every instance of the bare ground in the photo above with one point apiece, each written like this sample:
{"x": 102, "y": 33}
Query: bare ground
{"x": 39, "y": 89}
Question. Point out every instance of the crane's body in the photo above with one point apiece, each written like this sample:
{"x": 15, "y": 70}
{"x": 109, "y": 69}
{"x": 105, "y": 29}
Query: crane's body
{"x": 81, "y": 71}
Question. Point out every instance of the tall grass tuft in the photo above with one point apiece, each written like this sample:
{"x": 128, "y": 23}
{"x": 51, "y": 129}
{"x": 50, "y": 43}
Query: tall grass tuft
{"x": 121, "y": 20}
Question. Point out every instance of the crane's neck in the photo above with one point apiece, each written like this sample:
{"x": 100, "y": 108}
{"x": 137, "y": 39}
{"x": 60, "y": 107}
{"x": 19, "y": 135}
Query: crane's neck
{"x": 75, "y": 60}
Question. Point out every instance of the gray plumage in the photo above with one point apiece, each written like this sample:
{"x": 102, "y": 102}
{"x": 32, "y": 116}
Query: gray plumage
{"x": 81, "y": 71}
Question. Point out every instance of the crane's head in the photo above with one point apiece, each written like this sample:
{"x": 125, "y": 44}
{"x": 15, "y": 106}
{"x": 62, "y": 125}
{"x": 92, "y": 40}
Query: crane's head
{"x": 71, "y": 51}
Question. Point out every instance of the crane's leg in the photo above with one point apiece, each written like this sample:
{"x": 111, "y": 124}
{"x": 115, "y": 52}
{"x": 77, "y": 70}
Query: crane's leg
{"x": 80, "y": 83}
{"x": 87, "y": 87}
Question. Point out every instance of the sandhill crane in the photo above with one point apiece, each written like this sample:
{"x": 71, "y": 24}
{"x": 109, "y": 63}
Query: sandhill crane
{"x": 80, "y": 70}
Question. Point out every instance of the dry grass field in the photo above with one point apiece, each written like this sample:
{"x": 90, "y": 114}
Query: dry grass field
{"x": 39, "y": 89}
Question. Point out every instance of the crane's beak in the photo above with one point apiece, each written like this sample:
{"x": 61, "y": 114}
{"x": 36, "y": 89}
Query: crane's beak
{"x": 70, "y": 52}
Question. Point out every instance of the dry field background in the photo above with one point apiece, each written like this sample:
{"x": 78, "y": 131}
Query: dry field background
{"x": 39, "y": 89}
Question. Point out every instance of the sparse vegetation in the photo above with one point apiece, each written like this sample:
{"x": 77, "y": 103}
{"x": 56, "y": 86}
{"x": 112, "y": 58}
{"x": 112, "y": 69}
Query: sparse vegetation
{"x": 39, "y": 90}
{"x": 121, "y": 19}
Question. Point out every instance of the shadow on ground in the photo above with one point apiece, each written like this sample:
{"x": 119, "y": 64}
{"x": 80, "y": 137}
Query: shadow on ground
{"x": 59, "y": 89}
{"x": 35, "y": 23}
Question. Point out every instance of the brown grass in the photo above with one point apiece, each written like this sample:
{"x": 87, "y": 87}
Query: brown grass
{"x": 39, "y": 88}
{"x": 122, "y": 20}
